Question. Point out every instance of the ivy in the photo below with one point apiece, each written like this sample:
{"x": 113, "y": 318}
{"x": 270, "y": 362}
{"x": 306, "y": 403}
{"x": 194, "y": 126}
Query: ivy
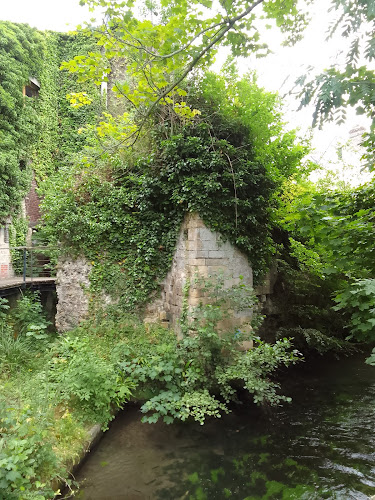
{"x": 36, "y": 134}
{"x": 72, "y": 119}
{"x": 123, "y": 210}
{"x": 21, "y": 51}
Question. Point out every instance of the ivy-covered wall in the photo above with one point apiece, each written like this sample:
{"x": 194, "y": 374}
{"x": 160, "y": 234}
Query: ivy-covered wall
{"x": 37, "y": 134}
{"x": 122, "y": 209}
{"x": 21, "y": 56}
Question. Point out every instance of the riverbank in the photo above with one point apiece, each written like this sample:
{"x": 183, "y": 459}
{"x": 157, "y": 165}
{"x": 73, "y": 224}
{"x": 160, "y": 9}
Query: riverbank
{"x": 55, "y": 391}
{"x": 320, "y": 446}
{"x": 55, "y": 388}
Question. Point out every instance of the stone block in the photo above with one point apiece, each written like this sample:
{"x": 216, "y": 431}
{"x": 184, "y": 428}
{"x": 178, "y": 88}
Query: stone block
{"x": 202, "y": 271}
{"x": 246, "y": 328}
{"x": 216, "y": 269}
{"x": 245, "y": 345}
{"x": 206, "y": 235}
{"x": 199, "y": 223}
{"x": 194, "y": 221}
{"x": 216, "y": 254}
{"x": 193, "y": 234}
{"x": 197, "y": 262}
{"x": 163, "y": 316}
{"x": 194, "y": 245}
{"x": 194, "y": 301}
{"x": 243, "y": 316}
{"x": 209, "y": 245}
{"x": 245, "y": 272}
{"x": 217, "y": 262}
{"x": 196, "y": 293}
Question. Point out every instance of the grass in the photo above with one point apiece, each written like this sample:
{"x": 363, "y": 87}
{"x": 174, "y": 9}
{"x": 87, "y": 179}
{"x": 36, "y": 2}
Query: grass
{"x": 52, "y": 391}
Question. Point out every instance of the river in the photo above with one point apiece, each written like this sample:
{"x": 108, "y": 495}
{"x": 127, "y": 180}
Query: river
{"x": 322, "y": 445}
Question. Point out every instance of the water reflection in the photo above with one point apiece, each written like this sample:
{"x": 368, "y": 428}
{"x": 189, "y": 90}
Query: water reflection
{"x": 321, "y": 446}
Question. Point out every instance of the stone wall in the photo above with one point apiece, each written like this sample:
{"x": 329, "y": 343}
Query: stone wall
{"x": 6, "y": 270}
{"x": 199, "y": 251}
{"x": 72, "y": 282}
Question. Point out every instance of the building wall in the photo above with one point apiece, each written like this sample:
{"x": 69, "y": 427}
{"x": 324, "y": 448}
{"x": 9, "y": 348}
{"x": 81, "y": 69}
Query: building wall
{"x": 6, "y": 270}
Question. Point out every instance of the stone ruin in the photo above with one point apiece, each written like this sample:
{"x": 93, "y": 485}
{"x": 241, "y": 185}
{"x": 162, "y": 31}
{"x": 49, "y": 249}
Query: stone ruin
{"x": 198, "y": 251}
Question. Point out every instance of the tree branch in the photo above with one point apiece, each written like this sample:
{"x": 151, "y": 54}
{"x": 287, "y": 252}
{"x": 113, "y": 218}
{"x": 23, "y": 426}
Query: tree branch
{"x": 229, "y": 25}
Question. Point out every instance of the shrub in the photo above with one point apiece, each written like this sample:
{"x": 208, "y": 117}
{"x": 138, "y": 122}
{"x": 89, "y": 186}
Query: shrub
{"x": 27, "y": 459}
{"x": 22, "y": 333}
{"x": 198, "y": 376}
{"x": 358, "y": 299}
{"x": 84, "y": 380}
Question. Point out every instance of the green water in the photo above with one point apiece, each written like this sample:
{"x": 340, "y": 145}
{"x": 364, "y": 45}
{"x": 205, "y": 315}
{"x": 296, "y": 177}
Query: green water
{"x": 320, "y": 446}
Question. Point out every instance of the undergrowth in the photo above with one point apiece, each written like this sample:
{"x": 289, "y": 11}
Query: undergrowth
{"x": 54, "y": 388}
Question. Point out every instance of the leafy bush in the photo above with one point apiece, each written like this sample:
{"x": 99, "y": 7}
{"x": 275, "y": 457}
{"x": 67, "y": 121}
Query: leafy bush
{"x": 86, "y": 381}
{"x": 358, "y": 299}
{"x": 198, "y": 375}
{"x": 302, "y": 309}
{"x": 371, "y": 359}
{"x": 28, "y": 315}
{"x": 22, "y": 333}
{"x": 27, "y": 460}
{"x": 312, "y": 339}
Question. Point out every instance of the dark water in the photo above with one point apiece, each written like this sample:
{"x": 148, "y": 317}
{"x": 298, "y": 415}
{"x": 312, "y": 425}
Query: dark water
{"x": 320, "y": 446}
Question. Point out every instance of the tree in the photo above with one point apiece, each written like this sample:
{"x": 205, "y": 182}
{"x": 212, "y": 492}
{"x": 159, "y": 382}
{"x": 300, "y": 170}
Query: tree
{"x": 179, "y": 37}
{"x": 353, "y": 85}
{"x": 166, "y": 43}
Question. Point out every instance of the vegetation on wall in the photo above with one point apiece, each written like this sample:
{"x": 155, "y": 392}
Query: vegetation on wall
{"x": 38, "y": 134}
{"x": 21, "y": 54}
{"x": 58, "y": 136}
{"x": 123, "y": 210}
{"x": 72, "y": 119}
{"x": 43, "y": 157}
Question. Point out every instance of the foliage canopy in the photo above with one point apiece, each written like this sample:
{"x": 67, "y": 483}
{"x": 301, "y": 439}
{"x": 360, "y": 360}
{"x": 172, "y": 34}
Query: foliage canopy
{"x": 167, "y": 41}
{"x": 123, "y": 211}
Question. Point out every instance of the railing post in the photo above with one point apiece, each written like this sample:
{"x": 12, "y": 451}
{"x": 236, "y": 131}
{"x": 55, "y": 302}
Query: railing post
{"x": 24, "y": 267}
{"x": 31, "y": 264}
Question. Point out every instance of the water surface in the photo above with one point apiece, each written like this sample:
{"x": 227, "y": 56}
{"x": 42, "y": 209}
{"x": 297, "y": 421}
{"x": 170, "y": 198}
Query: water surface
{"x": 322, "y": 445}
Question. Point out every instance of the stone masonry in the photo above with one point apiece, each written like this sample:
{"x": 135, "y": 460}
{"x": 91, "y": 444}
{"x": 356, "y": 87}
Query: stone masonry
{"x": 6, "y": 270}
{"x": 199, "y": 251}
{"x": 72, "y": 281}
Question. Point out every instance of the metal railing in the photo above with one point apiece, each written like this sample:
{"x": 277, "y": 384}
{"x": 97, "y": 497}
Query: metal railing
{"x": 33, "y": 262}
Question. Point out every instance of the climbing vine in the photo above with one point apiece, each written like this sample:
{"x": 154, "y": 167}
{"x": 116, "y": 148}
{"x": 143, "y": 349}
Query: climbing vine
{"x": 43, "y": 157}
{"x": 60, "y": 122}
{"x": 123, "y": 210}
{"x": 21, "y": 53}
{"x": 37, "y": 134}
{"x": 72, "y": 119}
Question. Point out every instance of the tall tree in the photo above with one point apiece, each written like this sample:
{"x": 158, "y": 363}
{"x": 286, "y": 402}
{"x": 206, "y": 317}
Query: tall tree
{"x": 166, "y": 41}
{"x": 353, "y": 83}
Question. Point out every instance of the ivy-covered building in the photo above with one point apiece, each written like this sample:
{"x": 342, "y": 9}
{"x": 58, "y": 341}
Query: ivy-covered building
{"x": 38, "y": 128}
